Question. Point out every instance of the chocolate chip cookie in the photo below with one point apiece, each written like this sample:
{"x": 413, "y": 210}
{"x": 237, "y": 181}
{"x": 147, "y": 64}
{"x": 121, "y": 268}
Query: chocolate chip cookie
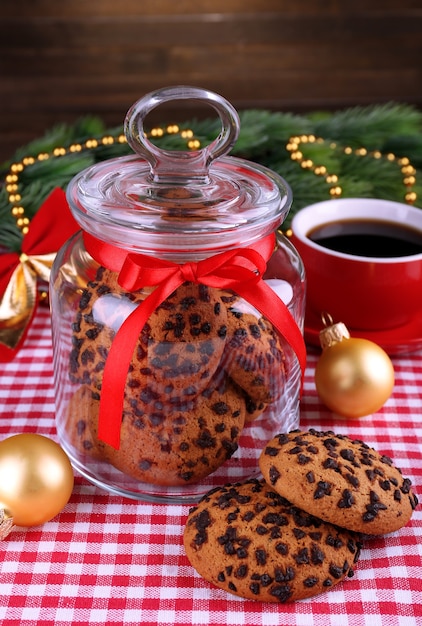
{"x": 82, "y": 406}
{"x": 248, "y": 540}
{"x": 340, "y": 480}
{"x": 253, "y": 356}
{"x": 103, "y": 307}
{"x": 182, "y": 343}
{"x": 178, "y": 349}
{"x": 170, "y": 443}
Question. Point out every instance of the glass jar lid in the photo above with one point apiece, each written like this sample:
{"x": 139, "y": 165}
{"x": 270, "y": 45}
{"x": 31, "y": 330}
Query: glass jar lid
{"x": 209, "y": 200}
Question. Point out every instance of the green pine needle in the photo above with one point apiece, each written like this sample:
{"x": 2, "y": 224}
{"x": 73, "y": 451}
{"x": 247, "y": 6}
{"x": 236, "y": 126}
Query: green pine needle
{"x": 262, "y": 132}
{"x": 405, "y": 146}
{"x": 56, "y": 167}
{"x": 369, "y": 126}
{"x": 61, "y": 135}
{"x": 10, "y": 235}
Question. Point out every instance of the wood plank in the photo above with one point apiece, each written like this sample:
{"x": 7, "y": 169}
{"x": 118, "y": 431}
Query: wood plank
{"x": 29, "y": 8}
{"x": 146, "y": 7}
{"x": 148, "y": 30}
{"x": 83, "y": 97}
{"x": 211, "y": 60}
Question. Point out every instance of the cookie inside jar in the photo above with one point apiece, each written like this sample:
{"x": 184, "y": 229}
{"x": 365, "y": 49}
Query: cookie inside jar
{"x": 205, "y": 369}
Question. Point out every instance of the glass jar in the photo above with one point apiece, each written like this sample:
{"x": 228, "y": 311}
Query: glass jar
{"x": 177, "y": 315}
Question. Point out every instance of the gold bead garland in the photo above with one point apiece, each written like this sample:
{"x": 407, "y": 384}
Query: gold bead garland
{"x": 292, "y": 147}
{"x": 16, "y": 169}
{"x": 335, "y": 189}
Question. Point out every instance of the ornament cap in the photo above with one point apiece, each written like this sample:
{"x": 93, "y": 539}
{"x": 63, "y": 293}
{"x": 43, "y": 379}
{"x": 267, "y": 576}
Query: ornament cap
{"x": 334, "y": 333}
{"x": 6, "y": 524}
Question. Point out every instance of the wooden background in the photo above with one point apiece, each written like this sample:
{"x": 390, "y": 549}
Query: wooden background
{"x": 61, "y": 59}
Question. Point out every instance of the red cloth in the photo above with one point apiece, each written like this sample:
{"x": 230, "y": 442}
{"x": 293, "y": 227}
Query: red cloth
{"x": 110, "y": 560}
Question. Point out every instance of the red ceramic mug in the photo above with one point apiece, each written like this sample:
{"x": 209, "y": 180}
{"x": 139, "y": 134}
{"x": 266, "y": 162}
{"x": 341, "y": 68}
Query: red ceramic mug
{"x": 368, "y": 288}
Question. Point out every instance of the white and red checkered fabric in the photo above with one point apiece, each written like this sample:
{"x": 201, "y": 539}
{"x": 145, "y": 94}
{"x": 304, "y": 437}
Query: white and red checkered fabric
{"x": 105, "y": 560}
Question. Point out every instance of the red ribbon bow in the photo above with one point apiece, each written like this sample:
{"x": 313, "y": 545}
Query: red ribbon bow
{"x": 240, "y": 270}
{"x": 50, "y": 227}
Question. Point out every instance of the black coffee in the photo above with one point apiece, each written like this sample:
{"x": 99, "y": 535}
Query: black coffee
{"x": 371, "y": 238}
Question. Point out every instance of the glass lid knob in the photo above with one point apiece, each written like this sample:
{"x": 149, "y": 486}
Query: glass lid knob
{"x": 175, "y": 166}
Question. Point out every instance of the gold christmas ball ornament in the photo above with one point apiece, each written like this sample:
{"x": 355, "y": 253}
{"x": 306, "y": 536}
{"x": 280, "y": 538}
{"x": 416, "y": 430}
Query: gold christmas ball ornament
{"x": 354, "y": 377}
{"x": 36, "y": 481}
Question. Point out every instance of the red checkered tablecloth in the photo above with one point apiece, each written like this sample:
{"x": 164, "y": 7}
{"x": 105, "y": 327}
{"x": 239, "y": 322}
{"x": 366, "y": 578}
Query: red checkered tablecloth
{"x": 106, "y": 560}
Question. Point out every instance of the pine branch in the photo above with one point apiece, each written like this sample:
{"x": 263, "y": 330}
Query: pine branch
{"x": 10, "y": 235}
{"x": 391, "y": 127}
{"x": 369, "y": 126}
{"x": 306, "y": 187}
{"x": 383, "y": 178}
{"x": 61, "y": 135}
{"x": 262, "y": 132}
{"x": 60, "y": 167}
{"x": 405, "y": 146}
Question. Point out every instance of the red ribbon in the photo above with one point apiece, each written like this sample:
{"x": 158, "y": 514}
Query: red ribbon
{"x": 240, "y": 270}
